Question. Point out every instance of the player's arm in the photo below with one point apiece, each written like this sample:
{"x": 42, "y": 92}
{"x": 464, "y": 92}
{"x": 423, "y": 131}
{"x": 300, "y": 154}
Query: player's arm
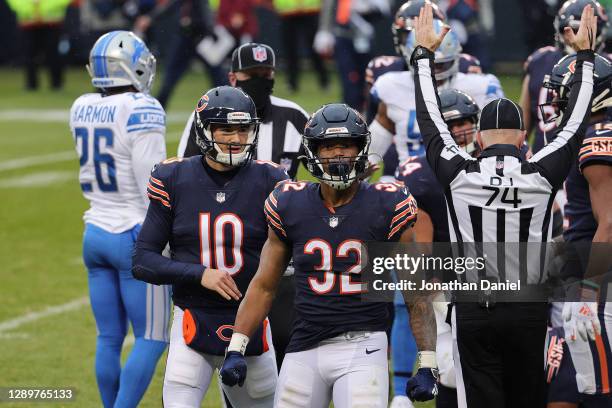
{"x": 525, "y": 104}
{"x": 443, "y": 154}
{"x": 555, "y": 160}
{"x": 382, "y": 129}
{"x": 273, "y": 262}
{"x": 256, "y": 304}
{"x": 148, "y": 149}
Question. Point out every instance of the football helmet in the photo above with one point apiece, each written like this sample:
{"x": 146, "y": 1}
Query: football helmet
{"x": 120, "y": 58}
{"x": 402, "y": 24}
{"x": 336, "y": 121}
{"x": 569, "y": 16}
{"x": 446, "y": 59}
{"x": 459, "y": 106}
{"x": 560, "y": 81}
{"x": 227, "y": 106}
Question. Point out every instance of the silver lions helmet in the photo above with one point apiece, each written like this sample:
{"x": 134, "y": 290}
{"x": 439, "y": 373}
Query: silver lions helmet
{"x": 120, "y": 58}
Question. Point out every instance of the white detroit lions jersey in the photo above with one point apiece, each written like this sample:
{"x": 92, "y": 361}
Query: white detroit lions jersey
{"x": 396, "y": 90}
{"x": 119, "y": 138}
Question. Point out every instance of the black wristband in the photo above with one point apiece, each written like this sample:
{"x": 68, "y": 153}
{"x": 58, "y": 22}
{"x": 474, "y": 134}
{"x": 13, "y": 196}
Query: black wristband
{"x": 585, "y": 55}
{"x": 421, "y": 52}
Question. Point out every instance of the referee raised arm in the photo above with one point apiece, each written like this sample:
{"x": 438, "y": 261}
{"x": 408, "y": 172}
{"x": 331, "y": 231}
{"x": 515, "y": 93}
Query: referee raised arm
{"x": 498, "y": 197}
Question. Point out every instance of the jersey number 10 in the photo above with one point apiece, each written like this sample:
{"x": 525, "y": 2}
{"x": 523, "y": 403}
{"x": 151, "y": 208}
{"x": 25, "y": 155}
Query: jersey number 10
{"x": 212, "y": 242}
{"x": 99, "y": 158}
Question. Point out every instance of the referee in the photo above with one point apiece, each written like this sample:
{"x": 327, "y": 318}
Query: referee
{"x": 498, "y": 348}
{"x": 282, "y": 121}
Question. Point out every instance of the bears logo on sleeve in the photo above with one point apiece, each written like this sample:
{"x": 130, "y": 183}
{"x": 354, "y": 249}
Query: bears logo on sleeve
{"x": 157, "y": 191}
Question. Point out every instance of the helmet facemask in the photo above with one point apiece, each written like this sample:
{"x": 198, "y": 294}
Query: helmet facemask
{"x": 465, "y": 138}
{"x": 338, "y": 172}
{"x": 212, "y": 148}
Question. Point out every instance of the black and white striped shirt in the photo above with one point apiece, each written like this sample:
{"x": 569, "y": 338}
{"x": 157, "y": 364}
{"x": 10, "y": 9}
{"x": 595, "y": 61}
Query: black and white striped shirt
{"x": 498, "y": 197}
{"x": 280, "y": 135}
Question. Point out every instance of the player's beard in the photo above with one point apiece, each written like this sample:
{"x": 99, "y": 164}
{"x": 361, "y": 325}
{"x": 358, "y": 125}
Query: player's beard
{"x": 259, "y": 89}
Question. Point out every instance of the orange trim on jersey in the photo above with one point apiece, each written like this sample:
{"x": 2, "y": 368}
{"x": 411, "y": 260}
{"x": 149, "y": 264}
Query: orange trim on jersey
{"x": 189, "y": 327}
{"x": 603, "y": 364}
{"x": 164, "y": 202}
{"x": 585, "y": 149}
{"x": 399, "y": 216}
{"x": 400, "y": 225}
{"x": 271, "y": 163}
{"x": 264, "y": 337}
{"x": 331, "y": 209}
{"x": 584, "y": 156}
{"x": 271, "y": 211}
{"x": 275, "y": 224}
{"x": 273, "y": 199}
{"x": 157, "y": 181}
{"x": 344, "y": 11}
{"x": 158, "y": 191}
{"x": 403, "y": 203}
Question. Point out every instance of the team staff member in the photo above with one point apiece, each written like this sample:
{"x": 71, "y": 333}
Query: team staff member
{"x": 253, "y": 68}
{"x": 498, "y": 347}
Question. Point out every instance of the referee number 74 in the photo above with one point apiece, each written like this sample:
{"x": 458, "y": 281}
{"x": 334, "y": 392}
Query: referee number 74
{"x": 505, "y": 197}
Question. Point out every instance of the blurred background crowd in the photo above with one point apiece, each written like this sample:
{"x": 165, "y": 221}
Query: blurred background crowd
{"x": 336, "y": 37}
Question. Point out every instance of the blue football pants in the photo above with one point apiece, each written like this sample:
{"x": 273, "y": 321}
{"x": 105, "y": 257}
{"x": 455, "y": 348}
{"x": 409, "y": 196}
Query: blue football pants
{"x": 116, "y": 299}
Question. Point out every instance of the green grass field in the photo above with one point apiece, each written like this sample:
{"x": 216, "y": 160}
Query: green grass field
{"x": 47, "y": 331}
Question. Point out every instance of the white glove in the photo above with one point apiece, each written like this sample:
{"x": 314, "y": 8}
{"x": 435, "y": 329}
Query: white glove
{"x": 324, "y": 42}
{"x": 581, "y": 319}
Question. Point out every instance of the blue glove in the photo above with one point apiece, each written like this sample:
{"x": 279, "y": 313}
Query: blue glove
{"x": 423, "y": 386}
{"x": 234, "y": 369}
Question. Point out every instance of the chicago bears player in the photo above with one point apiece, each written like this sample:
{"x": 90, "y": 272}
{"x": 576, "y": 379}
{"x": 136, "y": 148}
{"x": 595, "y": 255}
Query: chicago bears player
{"x": 119, "y": 134}
{"x": 210, "y": 209}
{"x": 338, "y": 347}
{"x": 396, "y": 116}
{"x": 541, "y": 62}
{"x": 579, "y": 359}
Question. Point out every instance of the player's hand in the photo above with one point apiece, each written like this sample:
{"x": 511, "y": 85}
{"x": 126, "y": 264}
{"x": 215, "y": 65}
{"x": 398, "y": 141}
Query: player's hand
{"x": 581, "y": 320}
{"x": 584, "y": 39}
{"x": 324, "y": 42}
{"x": 221, "y": 282}
{"x": 142, "y": 23}
{"x": 424, "y": 32}
{"x": 234, "y": 369}
{"x": 423, "y": 386}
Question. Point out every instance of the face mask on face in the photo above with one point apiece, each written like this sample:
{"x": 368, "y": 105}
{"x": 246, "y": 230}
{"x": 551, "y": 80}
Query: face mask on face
{"x": 259, "y": 89}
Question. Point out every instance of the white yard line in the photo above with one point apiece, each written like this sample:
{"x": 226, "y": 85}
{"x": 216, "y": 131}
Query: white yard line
{"x": 44, "y": 313}
{"x": 40, "y": 179}
{"x": 37, "y": 160}
{"x": 63, "y": 115}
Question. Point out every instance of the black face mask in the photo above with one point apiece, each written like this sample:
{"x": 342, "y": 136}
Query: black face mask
{"x": 259, "y": 89}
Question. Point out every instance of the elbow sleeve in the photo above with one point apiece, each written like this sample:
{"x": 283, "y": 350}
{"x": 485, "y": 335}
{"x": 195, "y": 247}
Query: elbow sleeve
{"x": 380, "y": 143}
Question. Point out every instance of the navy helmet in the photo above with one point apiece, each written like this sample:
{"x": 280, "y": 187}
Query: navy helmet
{"x": 225, "y": 105}
{"x": 559, "y": 84}
{"x": 569, "y": 16}
{"x": 459, "y": 106}
{"x": 336, "y": 121}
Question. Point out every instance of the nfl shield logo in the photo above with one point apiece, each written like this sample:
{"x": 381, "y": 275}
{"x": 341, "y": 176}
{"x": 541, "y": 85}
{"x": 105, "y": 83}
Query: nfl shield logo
{"x": 220, "y": 197}
{"x": 333, "y": 222}
{"x": 260, "y": 54}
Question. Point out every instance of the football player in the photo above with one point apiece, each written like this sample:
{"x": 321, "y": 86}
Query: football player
{"x": 338, "y": 347}
{"x": 210, "y": 209}
{"x": 396, "y": 116}
{"x": 540, "y": 63}
{"x": 119, "y": 133}
{"x": 579, "y": 359}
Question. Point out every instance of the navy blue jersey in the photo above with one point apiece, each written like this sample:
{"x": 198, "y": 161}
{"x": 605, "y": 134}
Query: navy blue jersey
{"x": 206, "y": 224}
{"x": 417, "y": 175}
{"x": 596, "y": 149}
{"x": 377, "y": 67}
{"x": 326, "y": 247}
{"x": 539, "y": 64}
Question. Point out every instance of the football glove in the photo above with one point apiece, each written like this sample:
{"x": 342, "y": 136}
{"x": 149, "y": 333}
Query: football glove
{"x": 234, "y": 369}
{"x": 581, "y": 320}
{"x": 423, "y": 386}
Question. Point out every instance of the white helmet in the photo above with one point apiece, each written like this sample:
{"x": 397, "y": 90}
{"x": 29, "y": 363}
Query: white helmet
{"x": 446, "y": 60}
{"x": 120, "y": 58}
